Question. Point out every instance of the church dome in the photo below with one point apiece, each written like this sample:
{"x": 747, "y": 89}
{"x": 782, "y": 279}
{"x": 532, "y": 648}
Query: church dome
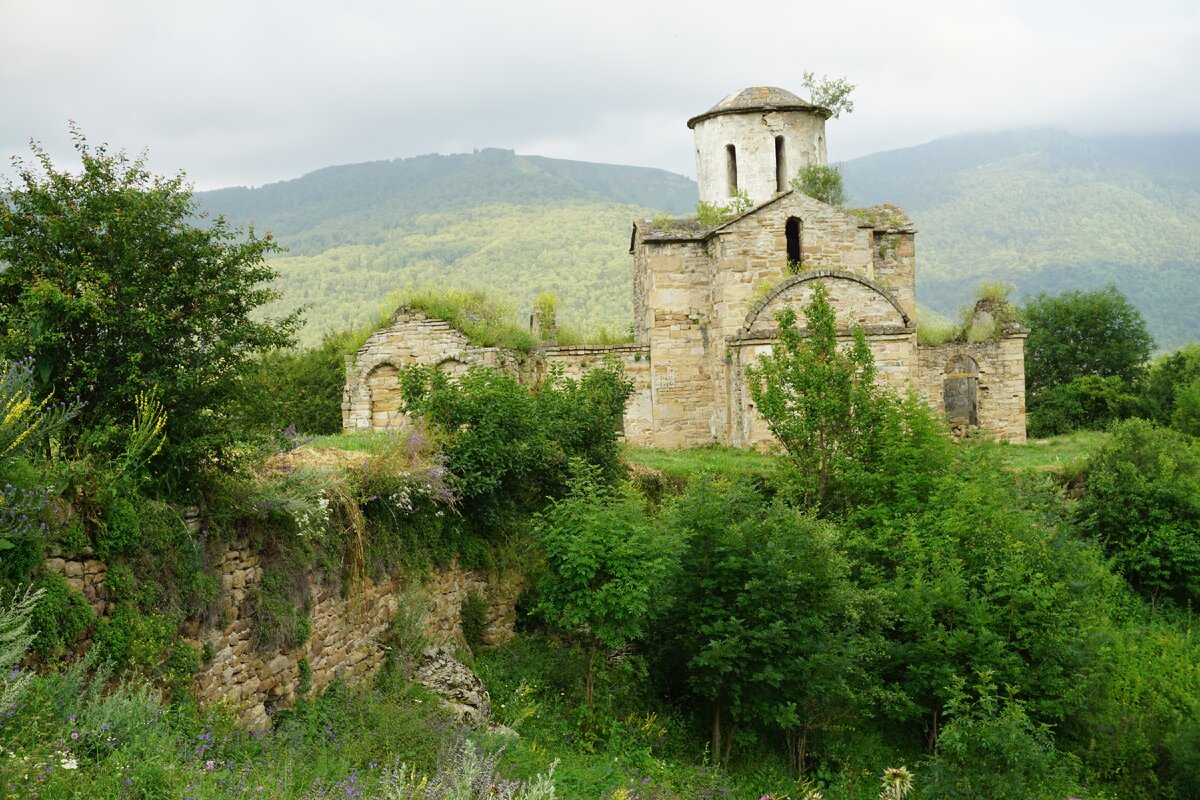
{"x": 759, "y": 98}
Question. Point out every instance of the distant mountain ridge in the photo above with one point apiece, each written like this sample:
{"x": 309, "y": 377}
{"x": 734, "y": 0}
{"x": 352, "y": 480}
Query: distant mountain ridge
{"x": 1048, "y": 211}
{"x": 1042, "y": 209}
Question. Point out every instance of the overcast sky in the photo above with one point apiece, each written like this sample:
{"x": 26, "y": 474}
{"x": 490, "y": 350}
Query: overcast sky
{"x": 249, "y": 91}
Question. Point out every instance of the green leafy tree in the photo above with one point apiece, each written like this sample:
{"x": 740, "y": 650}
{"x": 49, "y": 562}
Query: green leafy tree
{"x": 831, "y": 93}
{"x": 1143, "y": 506}
{"x": 1085, "y": 401}
{"x": 509, "y": 446}
{"x": 851, "y": 441}
{"x": 1170, "y": 393}
{"x": 766, "y": 624}
{"x": 115, "y": 285}
{"x": 993, "y": 750}
{"x": 819, "y": 401}
{"x": 1083, "y": 333}
{"x": 605, "y": 566}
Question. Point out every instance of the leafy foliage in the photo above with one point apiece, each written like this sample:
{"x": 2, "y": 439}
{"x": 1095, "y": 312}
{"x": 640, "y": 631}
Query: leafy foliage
{"x": 1086, "y": 402}
{"x": 604, "y": 566}
{"x": 1143, "y": 506}
{"x": 992, "y": 750}
{"x": 845, "y": 436}
{"x": 114, "y": 291}
{"x": 1083, "y": 333}
{"x": 823, "y": 183}
{"x": 712, "y": 216}
{"x": 829, "y": 93}
{"x": 510, "y": 447}
{"x": 766, "y": 624}
{"x": 1167, "y": 390}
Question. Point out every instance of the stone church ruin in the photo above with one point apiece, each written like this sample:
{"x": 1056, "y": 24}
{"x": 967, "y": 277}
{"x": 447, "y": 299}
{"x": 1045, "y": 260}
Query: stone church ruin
{"x": 705, "y": 300}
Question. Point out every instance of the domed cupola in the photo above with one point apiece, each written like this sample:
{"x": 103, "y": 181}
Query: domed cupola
{"x": 756, "y": 140}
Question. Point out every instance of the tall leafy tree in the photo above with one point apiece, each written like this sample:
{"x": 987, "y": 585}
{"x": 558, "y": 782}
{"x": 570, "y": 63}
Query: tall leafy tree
{"x": 115, "y": 285}
{"x": 605, "y": 565}
{"x": 1083, "y": 333}
{"x": 851, "y": 441}
{"x": 766, "y": 623}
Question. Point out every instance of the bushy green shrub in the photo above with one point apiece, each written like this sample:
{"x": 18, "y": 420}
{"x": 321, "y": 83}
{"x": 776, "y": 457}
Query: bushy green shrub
{"x": 1166, "y": 378}
{"x": 1142, "y": 505}
{"x": 1083, "y": 333}
{"x": 849, "y": 440}
{"x": 1086, "y": 402}
{"x": 509, "y": 447}
{"x": 822, "y": 183}
{"x": 301, "y": 390}
{"x": 766, "y": 625}
{"x": 114, "y": 288}
{"x": 604, "y": 566}
{"x": 992, "y": 750}
{"x": 1187, "y": 409}
{"x": 473, "y": 615}
{"x": 59, "y": 617}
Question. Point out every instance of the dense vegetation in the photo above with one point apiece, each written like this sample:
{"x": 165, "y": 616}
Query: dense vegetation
{"x": 876, "y": 611}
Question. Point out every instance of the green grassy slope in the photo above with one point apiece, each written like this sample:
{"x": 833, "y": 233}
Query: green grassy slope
{"x": 521, "y": 225}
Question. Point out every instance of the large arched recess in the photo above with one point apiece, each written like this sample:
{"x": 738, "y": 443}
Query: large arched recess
{"x": 856, "y": 300}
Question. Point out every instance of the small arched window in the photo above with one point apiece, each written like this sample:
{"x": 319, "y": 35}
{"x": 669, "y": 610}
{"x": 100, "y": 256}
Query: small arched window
{"x": 792, "y": 232}
{"x": 731, "y": 168}
{"x": 780, "y": 165}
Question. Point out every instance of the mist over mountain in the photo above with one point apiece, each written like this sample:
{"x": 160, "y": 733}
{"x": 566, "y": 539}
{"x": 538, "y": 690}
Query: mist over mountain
{"x": 1044, "y": 210}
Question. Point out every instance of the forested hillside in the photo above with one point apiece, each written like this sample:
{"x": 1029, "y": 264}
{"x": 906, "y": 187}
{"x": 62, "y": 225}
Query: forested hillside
{"x": 1048, "y": 211}
{"x": 518, "y": 224}
{"x": 1044, "y": 210}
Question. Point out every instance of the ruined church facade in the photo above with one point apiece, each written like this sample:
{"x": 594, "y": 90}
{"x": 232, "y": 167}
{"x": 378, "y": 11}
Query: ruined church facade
{"x": 706, "y": 297}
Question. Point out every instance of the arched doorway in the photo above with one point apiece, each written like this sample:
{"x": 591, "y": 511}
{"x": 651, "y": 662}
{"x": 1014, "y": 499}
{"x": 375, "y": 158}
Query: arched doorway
{"x": 960, "y": 391}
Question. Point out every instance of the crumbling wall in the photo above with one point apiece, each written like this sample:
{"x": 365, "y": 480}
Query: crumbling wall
{"x": 349, "y": 636}
{"x": 1001, "y": 381}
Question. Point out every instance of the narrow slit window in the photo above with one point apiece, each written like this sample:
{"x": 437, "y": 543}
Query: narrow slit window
{"x": 792, "y": 231}
{"x": 731, "y": 168}
{"x": 780, "y": 165}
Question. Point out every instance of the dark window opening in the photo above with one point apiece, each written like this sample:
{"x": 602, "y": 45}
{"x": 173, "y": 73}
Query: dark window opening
{"x": 792, "y": 231}
{"x": 960, "y": 392}
{"x": 731, "y": 158}
{"x": 780, "y": 165}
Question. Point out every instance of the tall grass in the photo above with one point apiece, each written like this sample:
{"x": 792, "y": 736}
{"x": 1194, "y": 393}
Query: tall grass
{"x": 485, "y": 319}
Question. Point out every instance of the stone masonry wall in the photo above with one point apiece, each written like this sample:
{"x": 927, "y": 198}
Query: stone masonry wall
{"x": 371, "y": 398}
{"x": 638, "y": 421}
{"x": 347, "y": 632}
{"x": 1001, "y": 389}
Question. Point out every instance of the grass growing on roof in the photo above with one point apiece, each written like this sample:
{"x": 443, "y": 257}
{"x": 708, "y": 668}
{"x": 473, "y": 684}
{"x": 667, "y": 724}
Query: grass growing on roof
{"x": 485, "y": 319}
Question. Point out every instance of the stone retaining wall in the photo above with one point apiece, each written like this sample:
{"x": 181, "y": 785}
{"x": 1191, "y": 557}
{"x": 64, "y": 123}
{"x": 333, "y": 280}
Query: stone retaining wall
{"x": 348, "y": 632}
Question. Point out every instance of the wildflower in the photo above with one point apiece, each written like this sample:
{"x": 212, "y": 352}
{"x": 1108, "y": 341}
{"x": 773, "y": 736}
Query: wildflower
{"x": 209, "y": 765}
{"x": 74, "y": 735}
{"x": 897, "y": 783}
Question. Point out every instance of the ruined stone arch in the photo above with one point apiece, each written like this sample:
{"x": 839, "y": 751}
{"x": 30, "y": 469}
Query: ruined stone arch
{"x": 453, "y": 367}
{"x": 829, "y": 276}
{"x": 383, "y": 386}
